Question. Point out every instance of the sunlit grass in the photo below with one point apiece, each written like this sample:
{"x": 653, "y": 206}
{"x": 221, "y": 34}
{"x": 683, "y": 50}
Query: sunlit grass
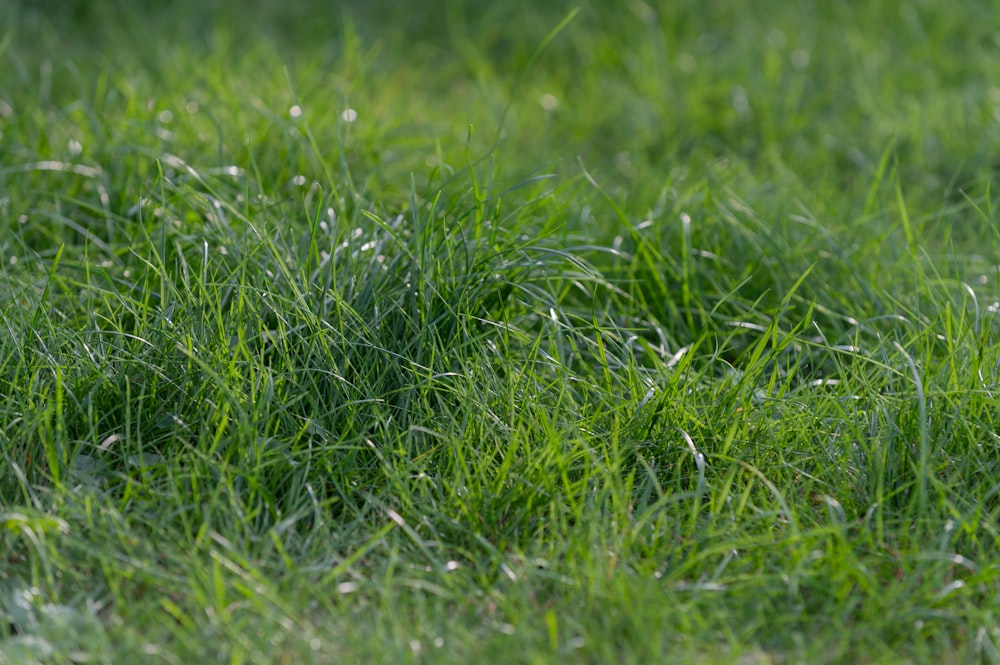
{"x": 648, "y": 333}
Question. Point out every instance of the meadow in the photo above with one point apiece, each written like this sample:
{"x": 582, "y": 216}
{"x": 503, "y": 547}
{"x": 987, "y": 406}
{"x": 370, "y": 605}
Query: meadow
{"x": 521, "y": 332}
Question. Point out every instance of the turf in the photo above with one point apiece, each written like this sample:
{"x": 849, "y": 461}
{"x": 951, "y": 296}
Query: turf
{"x": 499, "y": 332}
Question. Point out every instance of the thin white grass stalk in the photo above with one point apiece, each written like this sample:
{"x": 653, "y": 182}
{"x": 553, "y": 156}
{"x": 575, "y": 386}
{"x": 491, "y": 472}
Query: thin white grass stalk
{"x": 925, "y": 440}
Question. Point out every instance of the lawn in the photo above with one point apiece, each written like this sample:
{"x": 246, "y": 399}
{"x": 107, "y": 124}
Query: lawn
{"x": 515, "y": 332}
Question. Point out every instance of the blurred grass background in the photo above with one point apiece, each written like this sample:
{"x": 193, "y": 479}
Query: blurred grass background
{"x": 814, "y": 92}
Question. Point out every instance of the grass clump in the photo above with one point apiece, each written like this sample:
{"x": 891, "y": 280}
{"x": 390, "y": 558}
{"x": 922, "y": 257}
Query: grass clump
{"x": 658, "y": 332}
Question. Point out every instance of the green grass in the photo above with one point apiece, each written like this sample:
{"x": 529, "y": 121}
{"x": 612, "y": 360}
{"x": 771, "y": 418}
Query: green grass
{"x": 499, "y": 332}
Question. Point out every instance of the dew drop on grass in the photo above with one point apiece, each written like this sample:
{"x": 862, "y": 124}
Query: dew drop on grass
{"x": 741, "y": 103}
{"x": 295, "y": 111}
{"x": 643, "y": 12}
{"x": 548, "y": 102}
{"x": 349, "y": 115}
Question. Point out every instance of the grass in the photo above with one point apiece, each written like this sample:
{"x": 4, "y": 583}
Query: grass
{"x": 644, "y": 333}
